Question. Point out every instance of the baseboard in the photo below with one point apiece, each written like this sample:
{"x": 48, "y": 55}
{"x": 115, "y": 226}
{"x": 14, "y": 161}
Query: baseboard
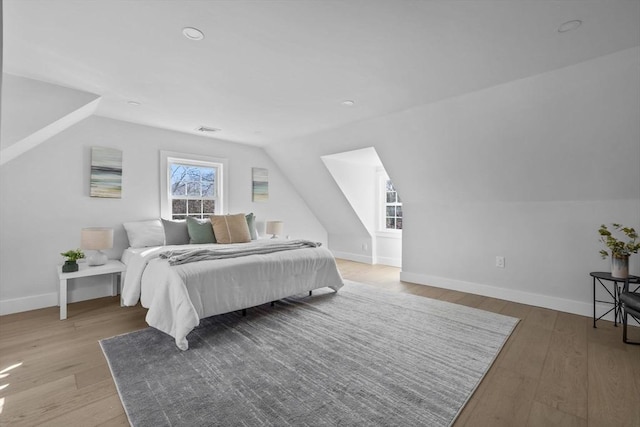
{"x": 34, "y": 302}
{"x": 529, "y": 298}
{"x": 366, "y": 259}
{"x": 393, "y": 262}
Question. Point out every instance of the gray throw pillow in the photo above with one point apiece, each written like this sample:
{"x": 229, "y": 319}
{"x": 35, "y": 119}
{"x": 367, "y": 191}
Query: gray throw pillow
{"x": 175, "y": 232}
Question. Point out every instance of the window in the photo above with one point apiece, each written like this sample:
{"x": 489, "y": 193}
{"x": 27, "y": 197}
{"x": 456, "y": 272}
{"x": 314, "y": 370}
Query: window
{"x": 392, "y": 207}
{"x": 192, "y": 186}
{"x": 192, "y": 190}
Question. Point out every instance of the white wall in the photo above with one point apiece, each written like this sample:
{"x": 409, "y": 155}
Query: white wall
{"x": 45, "y": 202}
{"x": 527, "y": 170}
{"x": 549, "y": 248}
{"x": 388, "y": 249}
{"x": 355, "y": 181}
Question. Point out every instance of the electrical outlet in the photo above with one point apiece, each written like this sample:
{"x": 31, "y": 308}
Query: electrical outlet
{"x": 500, "y": 261}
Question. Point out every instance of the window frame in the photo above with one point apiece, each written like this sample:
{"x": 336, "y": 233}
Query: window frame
{"x": 381, "y": 206}
{"x": 169, "y": 157}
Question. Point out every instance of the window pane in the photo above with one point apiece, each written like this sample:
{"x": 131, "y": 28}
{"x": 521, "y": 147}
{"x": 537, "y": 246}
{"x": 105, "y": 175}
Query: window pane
{"x": 208, "y": 189}
{"x": 390, "y": 186}
{"x": 193, "y": 189}
{"x": 178, "y": 216}
{"x": 178, "y": 174}
{"x": 391, "y": 223}
{"x": 195, "y": 207}
{"x": 399, "y": 211}
{"x": 178, "y": 206}
{"x": 209, "y": 206}
{"x": 193, "y": 173}
{"x": 208, "y": 182}
{"x": 399, "y": 224}
{"x": 391, "y": 211}
{"x": 178, "y": 189}
{"x": 208, "y": 175}
{"x": 391, "y": 196}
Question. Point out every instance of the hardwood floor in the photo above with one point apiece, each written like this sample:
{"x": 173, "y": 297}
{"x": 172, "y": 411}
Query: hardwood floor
{"x": 555, "y": 370}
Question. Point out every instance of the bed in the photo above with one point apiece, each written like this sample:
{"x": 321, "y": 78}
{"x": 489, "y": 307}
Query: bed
{"x": 179, "y": 295}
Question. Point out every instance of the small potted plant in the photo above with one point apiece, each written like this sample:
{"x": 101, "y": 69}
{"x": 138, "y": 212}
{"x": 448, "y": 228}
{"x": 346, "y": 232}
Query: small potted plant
{"x": 619, "y": 249}
{"x": 72, "y": 256}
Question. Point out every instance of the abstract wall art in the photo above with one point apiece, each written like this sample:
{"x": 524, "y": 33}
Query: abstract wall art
{"x": 106, "y": 172}
{"x": 260, "y": 184}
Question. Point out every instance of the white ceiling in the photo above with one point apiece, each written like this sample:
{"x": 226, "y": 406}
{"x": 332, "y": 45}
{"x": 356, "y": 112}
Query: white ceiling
{"x": 273, "y": 70}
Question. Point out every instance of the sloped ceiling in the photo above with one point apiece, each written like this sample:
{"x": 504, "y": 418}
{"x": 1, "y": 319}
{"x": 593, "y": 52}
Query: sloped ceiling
{"x": 267, "y": 71}
{"x": 34, "y": 111}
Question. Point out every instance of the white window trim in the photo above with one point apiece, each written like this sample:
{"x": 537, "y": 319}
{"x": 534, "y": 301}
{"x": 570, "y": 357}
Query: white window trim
{"x": 382, "y": 231}
{"x": 171, "y": 156}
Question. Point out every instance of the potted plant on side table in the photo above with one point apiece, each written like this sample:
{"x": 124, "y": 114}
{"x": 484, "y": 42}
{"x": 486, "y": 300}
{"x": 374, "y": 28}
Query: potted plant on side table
{"x": 619, "y": 249}
{"x": 71, "y": 263}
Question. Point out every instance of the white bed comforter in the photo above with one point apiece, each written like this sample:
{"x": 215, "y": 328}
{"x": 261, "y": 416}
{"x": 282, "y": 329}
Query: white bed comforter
{"x": 179, "y": 296}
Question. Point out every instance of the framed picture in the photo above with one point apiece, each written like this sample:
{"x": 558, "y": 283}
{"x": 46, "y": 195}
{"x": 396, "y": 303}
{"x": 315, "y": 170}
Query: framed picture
{"x": 106, "y": 172}
{"x": 260, "y": 184}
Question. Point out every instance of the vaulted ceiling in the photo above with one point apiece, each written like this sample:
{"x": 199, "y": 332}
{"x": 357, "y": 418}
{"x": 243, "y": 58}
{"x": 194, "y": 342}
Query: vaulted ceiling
{"x": 268, "y": 71}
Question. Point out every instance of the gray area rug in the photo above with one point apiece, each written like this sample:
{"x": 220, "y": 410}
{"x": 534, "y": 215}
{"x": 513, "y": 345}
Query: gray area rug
{"x": 360, "y": 357}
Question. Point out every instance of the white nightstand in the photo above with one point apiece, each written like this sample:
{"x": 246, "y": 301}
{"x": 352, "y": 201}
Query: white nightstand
{"x": 113, "y": 267}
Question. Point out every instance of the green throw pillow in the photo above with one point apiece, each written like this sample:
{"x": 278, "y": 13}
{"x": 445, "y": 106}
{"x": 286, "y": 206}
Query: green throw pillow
{"x": 251, "y": 222}
{"x": 200, "y": 231}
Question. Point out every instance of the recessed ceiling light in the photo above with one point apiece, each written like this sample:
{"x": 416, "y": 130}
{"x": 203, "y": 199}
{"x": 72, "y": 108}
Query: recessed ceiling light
{"x": 192, "y": 33}
{"x": 348, "y": 103}
{"x": 569, "y": 26}
{"x": 133, "y": 103}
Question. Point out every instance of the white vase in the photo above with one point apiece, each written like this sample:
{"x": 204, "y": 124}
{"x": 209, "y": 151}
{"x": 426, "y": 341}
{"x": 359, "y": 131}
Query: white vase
{"x": 620, "y": 266}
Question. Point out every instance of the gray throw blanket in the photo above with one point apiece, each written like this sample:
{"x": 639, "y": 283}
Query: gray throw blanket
{"x": 183, "y": 256}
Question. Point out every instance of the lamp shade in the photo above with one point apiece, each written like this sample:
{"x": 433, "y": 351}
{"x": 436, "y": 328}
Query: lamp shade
{"x": 96, "y": 238}
{"x": 275, "y": 227}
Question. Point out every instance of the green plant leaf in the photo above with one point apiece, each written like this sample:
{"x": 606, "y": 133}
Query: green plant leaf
{"x": 616, "y": 246}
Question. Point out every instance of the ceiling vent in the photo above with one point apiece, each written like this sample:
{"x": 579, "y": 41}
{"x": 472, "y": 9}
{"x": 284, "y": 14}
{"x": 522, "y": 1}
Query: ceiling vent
{"x": 207, "y": 129}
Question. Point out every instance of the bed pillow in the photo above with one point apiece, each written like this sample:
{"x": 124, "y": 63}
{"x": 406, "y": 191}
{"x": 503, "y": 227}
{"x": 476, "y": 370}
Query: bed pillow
{"x": 231, "y": 228}
{"x": 145, "y": 233}
{"x": 175, "y": 232}
{"x": 251, "y": 223}
{"x": 200, "y": 231}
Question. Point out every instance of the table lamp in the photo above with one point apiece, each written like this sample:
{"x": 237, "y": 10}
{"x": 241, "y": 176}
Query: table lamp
{"x": 96, "y": 239}
{"x": 275, "y": 228}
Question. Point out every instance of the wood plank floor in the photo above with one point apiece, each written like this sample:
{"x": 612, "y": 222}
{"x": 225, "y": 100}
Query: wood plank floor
{"x": 555, "y": 370}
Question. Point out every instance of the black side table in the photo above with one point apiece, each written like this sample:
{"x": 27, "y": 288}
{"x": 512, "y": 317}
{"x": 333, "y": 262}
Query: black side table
{"x": 619, "y": 285}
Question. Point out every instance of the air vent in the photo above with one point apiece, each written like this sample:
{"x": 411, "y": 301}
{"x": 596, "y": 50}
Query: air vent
{"x": 207, "y": 129}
